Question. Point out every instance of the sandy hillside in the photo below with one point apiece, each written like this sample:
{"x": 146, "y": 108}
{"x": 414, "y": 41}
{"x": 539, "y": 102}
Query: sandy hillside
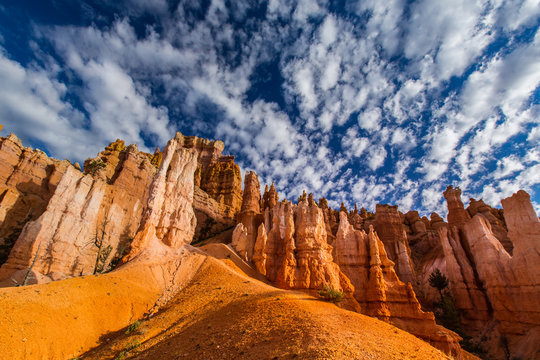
{"x": 225, "y": 314}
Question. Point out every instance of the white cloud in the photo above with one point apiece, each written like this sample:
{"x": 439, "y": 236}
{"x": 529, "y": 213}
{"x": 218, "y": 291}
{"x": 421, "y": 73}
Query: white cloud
{"x": 454, "y": 35}
{"x": 353, "y": 144}
{"x": 201, "y": 75}
{"x": 508, "y": 166}
{"x": 370, "y": 119}
{"x": 304, "y": 82}
{"x": 328, "y": 31}
{"x": 330, "y": 75}
{"x": 376, "y": 157}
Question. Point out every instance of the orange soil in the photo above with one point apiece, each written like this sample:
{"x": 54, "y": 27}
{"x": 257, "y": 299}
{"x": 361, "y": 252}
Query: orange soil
{"x": 221, "y": 313}
{"x": 224, "y": 314}
{"x": 61, "y": 319}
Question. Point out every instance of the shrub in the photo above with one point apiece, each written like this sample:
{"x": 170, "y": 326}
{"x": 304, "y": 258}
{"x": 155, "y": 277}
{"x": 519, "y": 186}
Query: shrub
{"x": 330, "y": 294}
{"x": 94, "y": 166}
{"x": 133, "y": 327}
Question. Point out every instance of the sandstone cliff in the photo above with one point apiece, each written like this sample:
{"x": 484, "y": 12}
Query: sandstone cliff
{"x": 389, "y": 226}
{"x": 290, "y": 248}
{"x": 106, "y": 203}
{"x": 363, "y": 258}
{"x": 152, "y": 205}
{"x": 512, "y": 282}
{"x": 28, "y": 179}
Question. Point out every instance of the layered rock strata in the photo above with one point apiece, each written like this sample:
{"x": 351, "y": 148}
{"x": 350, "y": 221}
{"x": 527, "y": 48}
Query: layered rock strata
{"x": 363, "y": 259}
{"x": 28, "y": 179}
{"x": 216, "y": 174}
{"x": 496, "y": 220}
{"x": 85, "y": 209}
{"x": 250, "y": 217}
{"x": 218, "y": 193}
{"x": 512, "y": 282}
{"x": 389, "y": 226}
{"x": 169, "y": 215}
{"x": 290, "y": 248}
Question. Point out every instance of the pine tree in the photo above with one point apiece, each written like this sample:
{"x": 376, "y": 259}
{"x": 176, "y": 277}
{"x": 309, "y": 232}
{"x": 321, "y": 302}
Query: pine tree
{"x": 438, "y": 281}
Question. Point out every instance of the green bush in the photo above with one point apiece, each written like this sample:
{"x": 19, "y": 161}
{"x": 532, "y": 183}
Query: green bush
{"x": 133, "y": 327}
{"x": 94, "y": 166}
{"x": 330, "y": 294}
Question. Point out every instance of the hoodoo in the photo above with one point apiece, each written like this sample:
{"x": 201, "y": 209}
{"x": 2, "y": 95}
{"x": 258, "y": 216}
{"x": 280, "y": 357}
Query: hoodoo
{"x": 113, "y": 242}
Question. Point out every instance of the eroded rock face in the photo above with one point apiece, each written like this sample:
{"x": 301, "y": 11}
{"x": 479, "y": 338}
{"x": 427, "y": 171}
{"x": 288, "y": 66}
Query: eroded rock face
{"x": 83, "y": 207}
{"x": 496, "y": 220}
{"x": 457, "y": 215}
{"x": 211, "y": 217}
{"x": 216, "y": 174}
{"x": 28, "y": 179}
{"x": 363, "y": 259}
{"x": 169, "y": 215}
{"x": 250, "y": 217}
{"x": 389, "y": 226}
{"x": 291, "y": 249}
{"x": 218, "y": 194}
{"x": 512, "y": 282}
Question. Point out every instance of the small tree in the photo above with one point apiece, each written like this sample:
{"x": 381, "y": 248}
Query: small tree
{"x": 28, "y": 274}
{"x": 448, "y": 314}
{"x": 438, "y": 281}
{"x": 102, "y": 252}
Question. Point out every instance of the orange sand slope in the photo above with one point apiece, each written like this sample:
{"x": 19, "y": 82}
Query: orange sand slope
{"x": 221, "y": 314}
{"x": 224, "y": 314}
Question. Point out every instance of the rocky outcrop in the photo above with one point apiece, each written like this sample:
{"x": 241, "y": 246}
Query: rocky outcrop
{"x": 28, "y": 179}
{"x": 270, "y": 197}
{"x": 218, "y": 193}
{"x": 464, "y": 286}
{"x": 389, "y": 226}
{"x": 330, "y": 220}
{"x": 250, "y": 217}
{"x": 169, "y": 215}
{"x": 496, "y": 220}
{"x": 457, "y": 215}
{"x": 512, "y": 282}
{"x": 211, "y": 217}
{"x": 85, "y": 209}
{"x": 223, "y": 182}
{"x": 363, "y": 259}
{"x": 216, "y": 174}
{"x": 292, "y": 251}
{"x": 251, "y": 198}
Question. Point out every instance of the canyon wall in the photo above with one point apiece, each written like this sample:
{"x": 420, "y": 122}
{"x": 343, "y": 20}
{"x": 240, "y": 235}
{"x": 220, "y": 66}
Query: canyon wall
{"x": 63, "y": 222}
{"x": 363, "y": 258}
{"x": 59, "y": 220}
{"x": 104, "y": 204}
{"x": 28, "y": 179}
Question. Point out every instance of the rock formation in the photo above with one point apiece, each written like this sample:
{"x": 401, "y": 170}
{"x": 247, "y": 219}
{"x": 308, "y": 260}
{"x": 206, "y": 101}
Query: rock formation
{"x": 218, "y": 194}
{"x": 169, "y": 215}
{"x": 217, "y": 174}
{"x": 52, "y": 215}
{"x": 389, "y": 226}
{"x": 330, "y": 221}
{"x": 107, "y": 203}
{"x": 363, "y": 259}
{"x": 496, "y": 220}
{"x": 512, "y": 282}
{"x": 457, "y": 215}
{"x": 292, "y": 251}
{"x": 250, "y": 217}
{"x": 28, "y": 179}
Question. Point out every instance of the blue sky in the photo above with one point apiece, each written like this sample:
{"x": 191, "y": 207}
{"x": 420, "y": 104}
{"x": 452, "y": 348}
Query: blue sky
{"x": 360, "y": 101}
